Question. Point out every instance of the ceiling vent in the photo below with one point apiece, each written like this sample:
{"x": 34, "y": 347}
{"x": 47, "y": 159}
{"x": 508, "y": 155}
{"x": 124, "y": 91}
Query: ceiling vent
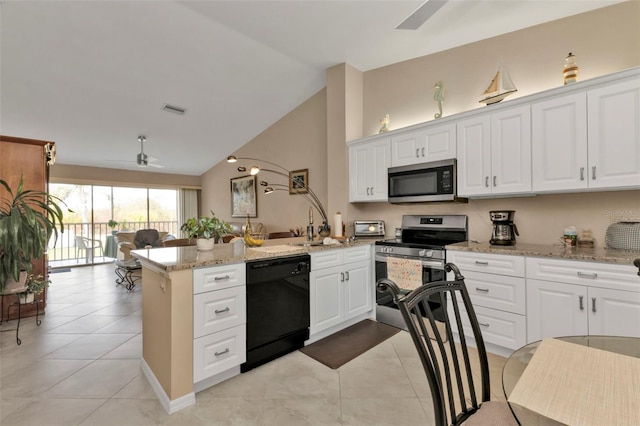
{"x": 174, "y": 109}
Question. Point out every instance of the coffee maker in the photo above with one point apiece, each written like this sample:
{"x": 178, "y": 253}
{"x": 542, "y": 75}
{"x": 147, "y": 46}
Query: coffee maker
{"x": 504, "y": 230}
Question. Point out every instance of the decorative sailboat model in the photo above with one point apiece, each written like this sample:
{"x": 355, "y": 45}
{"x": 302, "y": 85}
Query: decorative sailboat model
{"x": 500, "y": 87}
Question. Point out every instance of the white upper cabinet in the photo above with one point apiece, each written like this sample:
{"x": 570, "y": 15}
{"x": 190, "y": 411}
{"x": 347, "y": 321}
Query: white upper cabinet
{"x": 559, "y": 143}
{"x": 494, "y": 153}
{"x": 614, "y": 135}
{"x": 368, "y": 164}
{"x": 432, "y": 143}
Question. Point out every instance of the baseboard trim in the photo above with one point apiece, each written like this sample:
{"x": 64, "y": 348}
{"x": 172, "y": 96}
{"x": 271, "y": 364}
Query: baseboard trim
{"x": 170, "y": 406}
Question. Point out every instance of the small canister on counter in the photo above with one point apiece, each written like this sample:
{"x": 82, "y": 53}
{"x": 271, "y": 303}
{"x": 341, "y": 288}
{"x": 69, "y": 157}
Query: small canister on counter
{"x": 570, "y": 236}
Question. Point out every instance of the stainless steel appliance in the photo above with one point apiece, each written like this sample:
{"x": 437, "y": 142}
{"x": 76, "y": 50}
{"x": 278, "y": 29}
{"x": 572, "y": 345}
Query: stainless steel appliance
{"x": 419, "y": 183}
{"x": 277, "y": 308}
{"x": 368, "y": 228}
{"x": 504, "y": 230}
{"x": 423, "y": 237}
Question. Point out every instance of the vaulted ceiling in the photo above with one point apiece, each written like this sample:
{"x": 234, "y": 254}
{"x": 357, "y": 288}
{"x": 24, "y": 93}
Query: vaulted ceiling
{"x": 94, "y": 75}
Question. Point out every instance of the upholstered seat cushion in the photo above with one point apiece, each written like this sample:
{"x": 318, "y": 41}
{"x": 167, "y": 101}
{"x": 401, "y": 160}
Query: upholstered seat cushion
{"x": 492, "y": 413}
{"x": 147, "y": 237}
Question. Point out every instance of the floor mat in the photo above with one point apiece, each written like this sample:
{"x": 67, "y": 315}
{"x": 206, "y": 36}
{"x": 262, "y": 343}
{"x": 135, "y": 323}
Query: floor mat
{"x": 339, "y": 348}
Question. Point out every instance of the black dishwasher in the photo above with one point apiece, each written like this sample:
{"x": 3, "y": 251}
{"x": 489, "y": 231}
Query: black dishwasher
{"x": 277, "y": 308}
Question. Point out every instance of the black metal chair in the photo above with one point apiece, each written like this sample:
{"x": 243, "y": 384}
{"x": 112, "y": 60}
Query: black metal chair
{"x": 447, "y": 360}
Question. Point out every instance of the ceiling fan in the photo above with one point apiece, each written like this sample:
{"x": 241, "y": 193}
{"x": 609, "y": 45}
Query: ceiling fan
{"x": 142, "y": 159}
{"x": 421, "y": 15}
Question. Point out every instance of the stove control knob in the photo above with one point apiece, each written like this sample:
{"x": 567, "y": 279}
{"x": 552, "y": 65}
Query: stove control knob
{"x": 422, "y": 253}
{"x": 389, "y": 249}
{"x": 430, "y": 253}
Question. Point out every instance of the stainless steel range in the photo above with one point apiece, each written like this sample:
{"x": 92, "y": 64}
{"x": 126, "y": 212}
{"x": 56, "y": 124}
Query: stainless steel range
{"x": 424, "y": 238}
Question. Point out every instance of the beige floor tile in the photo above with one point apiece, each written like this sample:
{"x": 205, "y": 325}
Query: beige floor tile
{"x": 374, "y": 378}
{"x": 301, "y": 411}
{"x": 383, "y": 350}
{"x": 220, "y": 412}
{"x": 37, "y": 377}
{"x": 92, "y": 346}
{"x": 403, "y": 345}
{"x": 100, "y": 379}
{"x": 132, "y": 348}
{"x": 302, "y": 376}
{"x": 85, "y": 324}
{"x": 137, "y": 388}
{"x": 139, "y": 412}
{"x": 52, "y": 412}
{"x": 252, "y": 384}
{"x": 124, "y": 325}
{"x": 415, "y": 371}
{"x": 383, "y": 412}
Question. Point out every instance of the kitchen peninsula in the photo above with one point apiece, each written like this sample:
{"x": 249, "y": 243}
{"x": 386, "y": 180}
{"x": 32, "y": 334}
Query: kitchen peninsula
{"x": 194, "y": 309}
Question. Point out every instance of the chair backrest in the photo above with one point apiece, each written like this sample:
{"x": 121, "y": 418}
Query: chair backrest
{"x": 147, "y": 237}
{"x": 81, "y": 242}
{"x": 447, "y": 363}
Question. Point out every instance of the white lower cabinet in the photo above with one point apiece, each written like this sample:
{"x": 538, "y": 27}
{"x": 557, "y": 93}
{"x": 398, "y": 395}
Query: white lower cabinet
{"x": 342, "y": 286}
{"x": 496, "y": 286}
{"x": 219, "y": 320}
{"x": 579, "y": 298}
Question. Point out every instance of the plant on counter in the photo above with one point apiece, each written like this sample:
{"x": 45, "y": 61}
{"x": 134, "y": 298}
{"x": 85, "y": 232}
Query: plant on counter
{"x": 206, "y": 227}
{"x": 28, "y": 219}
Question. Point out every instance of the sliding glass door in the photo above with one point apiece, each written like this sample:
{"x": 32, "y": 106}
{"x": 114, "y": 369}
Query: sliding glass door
{"x": 88, "y": 239}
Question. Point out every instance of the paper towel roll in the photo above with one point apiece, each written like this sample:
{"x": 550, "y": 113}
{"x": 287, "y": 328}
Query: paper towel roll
{"x": 337, "y": 225}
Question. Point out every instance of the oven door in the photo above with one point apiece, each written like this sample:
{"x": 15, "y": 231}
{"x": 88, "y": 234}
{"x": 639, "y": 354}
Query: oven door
{"x": 387, "y": 311}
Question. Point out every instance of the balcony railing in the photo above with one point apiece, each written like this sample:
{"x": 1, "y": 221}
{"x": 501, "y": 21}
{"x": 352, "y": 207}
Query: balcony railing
{"x": 66, "y": 248}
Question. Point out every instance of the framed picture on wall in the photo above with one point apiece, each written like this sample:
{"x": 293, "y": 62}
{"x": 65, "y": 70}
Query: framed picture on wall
{"x": 243, "y": 197}
{"x": 299, "y": 181}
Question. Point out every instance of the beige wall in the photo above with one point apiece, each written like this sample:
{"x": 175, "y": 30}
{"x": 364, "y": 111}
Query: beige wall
{"x": 297, "y": 141}
{"x": 534, "y": 58}
{"x": 62, "y": 173}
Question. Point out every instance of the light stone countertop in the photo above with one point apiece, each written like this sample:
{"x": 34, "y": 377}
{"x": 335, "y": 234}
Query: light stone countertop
{"x": 177, "y": 258}
{"x": 552, "y": 251}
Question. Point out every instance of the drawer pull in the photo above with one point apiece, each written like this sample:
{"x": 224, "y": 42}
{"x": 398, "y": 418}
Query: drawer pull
{"x": 581, "y": 304}
{"x": 481, "y": 263}
{"x": 226, "y": 351}
{"x": 417, "y": 152}
{"x": 593, "y": 304}
{"x": 583, "y": 275}
{"x": 483, "y": 290}
{"x": 494, "y": 181}
{"x": 222, "y": 311}
{"x": 341, "y": 277}
{"x": 593, "y": 172}
{"x": 224, "y": 277}
{"x": 483, "y": 324}
{"x": 347, "y": 275}
{"x": 486, "y": 181}
{"x": 581, "y": 173}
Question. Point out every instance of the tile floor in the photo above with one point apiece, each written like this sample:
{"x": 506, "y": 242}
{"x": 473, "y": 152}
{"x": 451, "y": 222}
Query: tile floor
{"x": 82, "y": 367}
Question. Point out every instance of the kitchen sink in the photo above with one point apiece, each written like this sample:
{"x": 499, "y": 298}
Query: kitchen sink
{"x": 307, "y": 243}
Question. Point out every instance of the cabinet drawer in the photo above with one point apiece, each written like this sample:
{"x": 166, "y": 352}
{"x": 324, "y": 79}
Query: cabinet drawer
{"x": 215, "y": 311}
{"x": 593, "y": 274}
{"x": 218, "y": 277}
{"x": 327, "y": 259}
{"x": 497, "y": 291}
{"x": 218, "y": 352}
{"x": 499, "y": 328}
{"x": 356, "y": 254}
{"x": 489, "y": 263}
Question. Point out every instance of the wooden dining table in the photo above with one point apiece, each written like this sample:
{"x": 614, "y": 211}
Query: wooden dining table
{"x": 568, "y": 384}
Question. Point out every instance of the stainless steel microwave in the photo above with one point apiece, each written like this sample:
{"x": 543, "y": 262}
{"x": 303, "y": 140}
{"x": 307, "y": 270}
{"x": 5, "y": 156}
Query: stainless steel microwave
{"x": 424, "y": 182}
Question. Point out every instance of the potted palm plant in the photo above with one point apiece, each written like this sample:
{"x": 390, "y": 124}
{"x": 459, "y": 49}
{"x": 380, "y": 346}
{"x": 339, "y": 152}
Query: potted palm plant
{"x": 28, "y": 219}
{"x": 207, "y": 230}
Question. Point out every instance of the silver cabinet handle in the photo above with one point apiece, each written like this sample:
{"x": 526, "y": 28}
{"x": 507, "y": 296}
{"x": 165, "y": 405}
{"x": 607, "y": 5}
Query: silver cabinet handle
{"x": 341, "y": 277}
{"x": 417, "y": 152}
{"x": 225, "y": 277}
{"x": 347, "y": 275}
{"x": 368, "y": 191}
{"x": 593, "y": 172}
{"x": 371, "y": 191}
{"x": 483, "y": 324}
{"x": 581, "y": 173}
{"x": 481, "y": 263}
{"x": 483, "y": 290}
{"x": 486, "y": 181}
{"x": 423, "y": 152}
{"x": 226, "y": 351}
{"x": 494, "y": 181}
{"x": 593, "y": 304}
{"x": 222, "y": 311}
{"x": 581, "y": 304}
{"x": 592, "y": 275}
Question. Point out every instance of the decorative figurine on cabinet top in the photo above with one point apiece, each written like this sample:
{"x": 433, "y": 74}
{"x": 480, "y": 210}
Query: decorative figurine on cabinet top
{"x": 500, "y": 87}
{"x": 384, "y": 124}
{"x": 438, "y": 96}
{"x": 570, "y": 70}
